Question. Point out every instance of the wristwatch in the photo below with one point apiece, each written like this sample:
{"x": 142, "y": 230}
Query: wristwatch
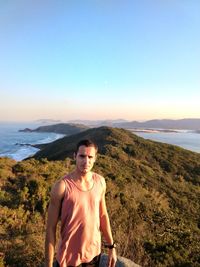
{"x": 113, "y": 245}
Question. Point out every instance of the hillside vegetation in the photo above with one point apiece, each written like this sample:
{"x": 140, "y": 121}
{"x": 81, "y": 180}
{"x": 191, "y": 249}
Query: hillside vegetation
{"x": 153, "y": 193}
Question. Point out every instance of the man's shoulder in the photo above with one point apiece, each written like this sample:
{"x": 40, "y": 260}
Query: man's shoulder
{"x": 100, "y": 179}
{"x": 58, "y": 188}
{"x": 98, "y": 176}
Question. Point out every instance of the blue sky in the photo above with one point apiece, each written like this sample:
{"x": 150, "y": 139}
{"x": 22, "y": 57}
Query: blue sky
{"x": 136, "y": 60}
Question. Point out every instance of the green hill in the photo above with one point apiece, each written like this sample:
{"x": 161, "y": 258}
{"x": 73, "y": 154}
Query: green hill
{"x": 152, "y": 196}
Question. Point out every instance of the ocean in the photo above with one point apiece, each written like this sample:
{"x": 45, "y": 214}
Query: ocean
{"x": 15, "y": 144}
{"x": 185, "y": 139}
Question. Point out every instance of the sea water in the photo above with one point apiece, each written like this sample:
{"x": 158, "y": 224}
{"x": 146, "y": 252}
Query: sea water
{"x": 17, "y": 145}
{"x": 185, "y": 139}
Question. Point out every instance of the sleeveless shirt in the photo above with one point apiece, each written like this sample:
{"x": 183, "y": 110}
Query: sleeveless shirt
{"x": 80, "y": 238}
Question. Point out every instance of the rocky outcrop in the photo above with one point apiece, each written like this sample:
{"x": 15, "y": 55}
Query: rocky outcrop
{"x": 26, "y": 130}
{"x": 121, "y": 262}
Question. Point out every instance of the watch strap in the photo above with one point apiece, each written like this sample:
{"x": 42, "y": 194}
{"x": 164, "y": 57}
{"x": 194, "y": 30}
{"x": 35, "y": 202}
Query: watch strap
{"x": 113, "y": 245}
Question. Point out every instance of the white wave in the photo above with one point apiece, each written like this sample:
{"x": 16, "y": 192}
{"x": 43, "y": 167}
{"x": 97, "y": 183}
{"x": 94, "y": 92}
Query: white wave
{"x": 20, "y": 154}
{"x": 50, "y": 139}
{"x": 19, "y": 147}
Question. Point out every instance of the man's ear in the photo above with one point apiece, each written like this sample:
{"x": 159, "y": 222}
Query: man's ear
{"x": 95, "y": 157}
{"x": 74, "y": 156}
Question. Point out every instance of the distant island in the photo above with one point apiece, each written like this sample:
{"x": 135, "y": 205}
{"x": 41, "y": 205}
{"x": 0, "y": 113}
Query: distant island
{"x": 61, "y": 128}
{"x": 75, "y": 126}
{"x": 47, "y": 121}
{"x": 183, "y": 124}
{"x": 161, "y": 124}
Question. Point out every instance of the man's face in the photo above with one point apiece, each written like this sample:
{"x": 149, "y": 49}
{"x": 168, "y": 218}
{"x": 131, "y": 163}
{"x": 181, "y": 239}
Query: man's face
{"x": 85, "y": 159}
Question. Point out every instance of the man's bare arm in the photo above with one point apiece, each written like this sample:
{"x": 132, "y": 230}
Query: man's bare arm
{"x": 57, "y": 195}
{"x": 106, "y": 229}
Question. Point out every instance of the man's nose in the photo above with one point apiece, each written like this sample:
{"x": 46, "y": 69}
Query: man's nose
{"x": 86, "y": 159}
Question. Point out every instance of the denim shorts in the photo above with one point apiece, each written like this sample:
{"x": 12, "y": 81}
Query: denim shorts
{"x": 93, "y": 263}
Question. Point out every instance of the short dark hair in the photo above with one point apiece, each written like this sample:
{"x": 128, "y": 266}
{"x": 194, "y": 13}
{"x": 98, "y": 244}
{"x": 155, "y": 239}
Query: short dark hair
{"x": 87, "y": 143}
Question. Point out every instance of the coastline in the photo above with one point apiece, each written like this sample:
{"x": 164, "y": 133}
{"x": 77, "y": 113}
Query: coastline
{"x": 20, "y": 145}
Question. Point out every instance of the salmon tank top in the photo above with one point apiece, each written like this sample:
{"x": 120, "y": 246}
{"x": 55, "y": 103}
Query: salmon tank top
{"x": 80, "y": 234}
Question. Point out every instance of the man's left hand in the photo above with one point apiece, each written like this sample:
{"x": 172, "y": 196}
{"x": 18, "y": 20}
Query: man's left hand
{"x": 112, "y": 257}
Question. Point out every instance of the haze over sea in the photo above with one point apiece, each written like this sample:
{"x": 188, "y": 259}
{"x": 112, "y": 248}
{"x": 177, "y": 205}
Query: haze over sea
{"x": 15, "y": 144}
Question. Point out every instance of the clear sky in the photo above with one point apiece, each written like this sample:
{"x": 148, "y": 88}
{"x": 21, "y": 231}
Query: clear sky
{"x": 99, "y": 59}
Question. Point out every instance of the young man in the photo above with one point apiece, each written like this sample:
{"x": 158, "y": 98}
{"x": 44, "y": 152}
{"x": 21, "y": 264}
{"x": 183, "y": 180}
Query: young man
{"x": 78, "y": 200}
